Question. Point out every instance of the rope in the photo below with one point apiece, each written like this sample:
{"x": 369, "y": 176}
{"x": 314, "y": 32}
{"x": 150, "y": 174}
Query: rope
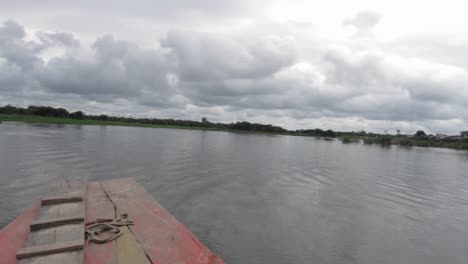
{"x": 113, "y": 226}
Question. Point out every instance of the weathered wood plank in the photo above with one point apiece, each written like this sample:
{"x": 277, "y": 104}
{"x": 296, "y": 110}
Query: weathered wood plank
{"x": 56, "y": 210}
{"x": 57, "y": 221}
{"x": 41, "y": 250}
{"x": 128, "y": 249}
{"x": 46, "y": 212}
{"x": 74, "y": 257}
{"x": 63, "y": 198}
{"x": 40, "y": 237}
{"x": 58, "y": 187}
{"x": 98, "y": 206}
{"x": 71, "y": 209}
{"x": 66, "y": 233}
{"x": 76, "y": 185}
{"x": 65, "y": 185}
{"x": 162, "y": 237}
{"x": 58, "y": 227}
{"x": 14, "y": 235}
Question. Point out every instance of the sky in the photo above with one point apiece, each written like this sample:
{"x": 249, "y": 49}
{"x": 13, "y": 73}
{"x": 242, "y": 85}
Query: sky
{"x": 377, "y": 66}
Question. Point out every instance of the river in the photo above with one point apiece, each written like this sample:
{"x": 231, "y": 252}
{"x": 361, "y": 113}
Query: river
{"x": 255, "y": 198}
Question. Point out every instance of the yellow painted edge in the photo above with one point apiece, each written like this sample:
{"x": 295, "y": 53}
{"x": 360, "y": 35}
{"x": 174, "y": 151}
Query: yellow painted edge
{"x": 128, "y": 249}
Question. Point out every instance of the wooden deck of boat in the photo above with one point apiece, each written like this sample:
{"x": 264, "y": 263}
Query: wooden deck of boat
{"x": 155, "y": 236}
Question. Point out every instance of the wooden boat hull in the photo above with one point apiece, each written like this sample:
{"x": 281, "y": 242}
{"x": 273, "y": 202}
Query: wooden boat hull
{"x": 155, "y": 237}
{"x": 13, "y": 235}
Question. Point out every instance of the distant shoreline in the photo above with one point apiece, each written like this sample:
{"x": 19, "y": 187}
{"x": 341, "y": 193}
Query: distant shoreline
{"x": 87, "y": 122}
{"x": 377, "y": 140}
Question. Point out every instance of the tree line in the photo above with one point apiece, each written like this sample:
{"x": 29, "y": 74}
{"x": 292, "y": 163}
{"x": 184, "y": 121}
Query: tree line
{"x": 48, "y": 111}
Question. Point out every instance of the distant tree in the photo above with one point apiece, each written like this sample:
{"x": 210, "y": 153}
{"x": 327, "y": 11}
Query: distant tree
{"x": 420, "y": 133}
{"x": 361, "y": 133}
{"x": 9, "y": 109}
{"x": 77, "y": 115}
{"x": 329, "y": 133}
{"x": 47, "y": 111}
{"x": 63, "y": 113}
{"x": 464, "y": 133}
{"x": 384, "y": 140}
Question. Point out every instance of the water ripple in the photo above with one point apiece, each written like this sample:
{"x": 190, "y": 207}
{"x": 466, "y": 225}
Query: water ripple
{"x": 261, "y": 199}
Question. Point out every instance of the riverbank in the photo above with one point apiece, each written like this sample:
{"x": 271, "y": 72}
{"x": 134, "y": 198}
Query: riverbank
{"x": 381, "y": 140}
{"x": 405, "y": 142}
{"x": 68, "y": 121}
{"x": 88, "y": 122}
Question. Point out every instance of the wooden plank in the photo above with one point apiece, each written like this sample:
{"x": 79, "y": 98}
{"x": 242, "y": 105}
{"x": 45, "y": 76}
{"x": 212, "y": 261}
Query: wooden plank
{"x": 64, "y": 233}
{"x": 128, "y": 249}
{"x": 76, "y": 185}
{"x": 56, "y": 210}
{"x": 58, "y": 228}
{"x": 57, "y": 221}
{"x": 73, "y": 257}
{"x": 161, "y": 236}
{"x": 98, "y": 206}
{"x": 63, "y": 198}
{"x": 71, "y": 209}
{"x": 66, "y": 185}
{"x": 14, "y": 235}
{"x": 68, "y": 233}
{"x": 41, "y": 237}
{"x": 48, "y": 212}
{"x": 41, "y": 250}
{"x": 59, "y": 186}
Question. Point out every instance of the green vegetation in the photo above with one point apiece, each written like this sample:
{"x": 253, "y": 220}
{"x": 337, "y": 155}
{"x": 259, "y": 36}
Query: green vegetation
{"x": 59, "y": 120}
{"x": 50, "y": 115}
{"x": 420, "y": 133}
{"x": 349, "y": 139}
{"x": 382, "y": 140}
{"x": 45, "y": 114}
{"x": 410, "y": 142}
{"x": 406, "y": 142}
{"x": 429, "y": 143}
{"x": 317, "y": 133}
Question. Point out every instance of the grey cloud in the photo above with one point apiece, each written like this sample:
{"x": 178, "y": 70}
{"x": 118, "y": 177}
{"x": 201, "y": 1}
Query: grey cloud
{"x": 230, "y": 77}
{"x": 11, "y": 31}
{"x": 115, "y": 70}
{"x": 69, "y": 75}
{"x": 381, "y": 89}
{"x": 107, "y": 48}
{"x": 58, "y": 38}
{"x": 205, "y": 56}
{"x": 11, "y": 76}
{"x": 15, "y": 49}
{"x": 118, "y": 70}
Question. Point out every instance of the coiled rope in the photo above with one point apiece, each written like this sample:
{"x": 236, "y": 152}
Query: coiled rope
{"x": 112, "y": 226}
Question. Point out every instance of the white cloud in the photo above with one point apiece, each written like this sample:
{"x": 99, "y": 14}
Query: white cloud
{"x": 364, "y": 22}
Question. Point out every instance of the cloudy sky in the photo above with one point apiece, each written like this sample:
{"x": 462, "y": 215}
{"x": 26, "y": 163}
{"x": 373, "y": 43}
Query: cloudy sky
{"x": 344, "y": 65}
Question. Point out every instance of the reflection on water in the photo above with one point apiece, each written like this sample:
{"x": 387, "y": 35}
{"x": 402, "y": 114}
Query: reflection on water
{"x": 259, "y": 198}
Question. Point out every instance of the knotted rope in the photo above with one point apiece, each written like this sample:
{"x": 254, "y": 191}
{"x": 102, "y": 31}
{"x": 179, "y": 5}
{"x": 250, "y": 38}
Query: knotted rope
{"x": 95, "y": 228}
